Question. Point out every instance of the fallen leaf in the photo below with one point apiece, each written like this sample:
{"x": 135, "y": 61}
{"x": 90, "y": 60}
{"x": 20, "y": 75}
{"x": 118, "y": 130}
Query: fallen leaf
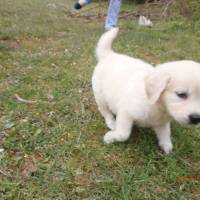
{"x": 28, "y": 168}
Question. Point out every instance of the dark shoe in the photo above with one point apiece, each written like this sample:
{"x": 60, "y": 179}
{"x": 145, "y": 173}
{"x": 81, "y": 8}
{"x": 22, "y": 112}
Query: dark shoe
{"x": 77, "y": 6}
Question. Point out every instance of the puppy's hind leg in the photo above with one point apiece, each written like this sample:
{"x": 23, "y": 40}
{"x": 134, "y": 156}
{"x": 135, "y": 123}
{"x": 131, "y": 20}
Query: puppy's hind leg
{"x": 122, "y": 131}
{"x": 106, "y": 113}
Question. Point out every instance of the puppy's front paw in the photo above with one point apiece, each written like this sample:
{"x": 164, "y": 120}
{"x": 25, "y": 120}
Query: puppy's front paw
{"x": 167, "y": 147}
{"x": 109, "y": 137}
{"x": 111, "y": 124}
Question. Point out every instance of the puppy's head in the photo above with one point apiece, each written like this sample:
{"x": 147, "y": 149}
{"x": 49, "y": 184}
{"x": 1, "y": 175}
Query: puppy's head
{"x": 176, "y": 86}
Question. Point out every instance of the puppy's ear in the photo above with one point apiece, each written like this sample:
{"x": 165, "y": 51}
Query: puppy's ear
{"x": 155, "y": 84}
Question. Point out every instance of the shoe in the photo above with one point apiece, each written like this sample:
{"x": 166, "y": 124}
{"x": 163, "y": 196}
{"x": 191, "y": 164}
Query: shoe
{"x": 77, "y": 6}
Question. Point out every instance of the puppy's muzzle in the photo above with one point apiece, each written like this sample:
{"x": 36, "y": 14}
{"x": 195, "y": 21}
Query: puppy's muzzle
{"x": 194, "y": 118}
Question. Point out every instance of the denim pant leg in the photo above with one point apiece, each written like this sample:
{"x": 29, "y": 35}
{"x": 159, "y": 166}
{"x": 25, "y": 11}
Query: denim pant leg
{"x": 112, "y": 15}
{"x": 89, "y": 1}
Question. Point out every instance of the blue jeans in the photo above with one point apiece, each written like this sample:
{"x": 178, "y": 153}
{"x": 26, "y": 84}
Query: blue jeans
{"x": 112, "y": 13}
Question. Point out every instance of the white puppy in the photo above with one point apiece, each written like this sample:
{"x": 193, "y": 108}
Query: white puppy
{"x": 131, "y": 92}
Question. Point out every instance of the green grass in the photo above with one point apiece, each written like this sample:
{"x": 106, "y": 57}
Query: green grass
{"x": 53, "y": 148}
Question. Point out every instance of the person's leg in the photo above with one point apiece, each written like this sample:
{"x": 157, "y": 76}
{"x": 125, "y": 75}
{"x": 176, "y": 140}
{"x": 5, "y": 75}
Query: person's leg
{"x": 112, "y": 14}
{"x": 81, "y": 3}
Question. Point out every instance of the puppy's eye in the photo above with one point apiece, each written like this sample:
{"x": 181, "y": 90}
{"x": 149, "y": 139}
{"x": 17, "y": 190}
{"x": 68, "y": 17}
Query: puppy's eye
{"x": 182, "y": 95}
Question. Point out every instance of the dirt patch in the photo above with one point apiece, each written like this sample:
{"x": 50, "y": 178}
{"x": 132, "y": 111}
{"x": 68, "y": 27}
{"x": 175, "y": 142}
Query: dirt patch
{"x": 10, "y": 44}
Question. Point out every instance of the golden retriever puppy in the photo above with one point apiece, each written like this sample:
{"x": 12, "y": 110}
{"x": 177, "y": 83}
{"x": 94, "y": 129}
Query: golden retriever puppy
{"x": 129, "y": 91}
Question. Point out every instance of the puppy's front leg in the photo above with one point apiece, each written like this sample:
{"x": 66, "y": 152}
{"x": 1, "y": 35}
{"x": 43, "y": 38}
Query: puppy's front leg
{"x": 122, "y": 131}
{"x": 163, "y": 134}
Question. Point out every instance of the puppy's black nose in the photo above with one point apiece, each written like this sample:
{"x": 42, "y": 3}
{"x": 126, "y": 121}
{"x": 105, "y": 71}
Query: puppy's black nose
{"x": 194, "y": 118}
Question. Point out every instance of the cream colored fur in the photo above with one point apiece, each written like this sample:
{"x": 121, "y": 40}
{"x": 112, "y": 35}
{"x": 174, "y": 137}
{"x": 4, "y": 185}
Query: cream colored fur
{"x": 129, "y": 92}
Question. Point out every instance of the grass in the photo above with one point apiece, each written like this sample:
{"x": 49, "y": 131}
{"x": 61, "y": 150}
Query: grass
{"x": 53, "y": 148}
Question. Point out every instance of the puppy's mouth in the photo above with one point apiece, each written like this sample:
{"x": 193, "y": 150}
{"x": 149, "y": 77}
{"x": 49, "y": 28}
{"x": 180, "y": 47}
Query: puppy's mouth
{"x": 188, "y": 122}
{"x": 184, "y": 121}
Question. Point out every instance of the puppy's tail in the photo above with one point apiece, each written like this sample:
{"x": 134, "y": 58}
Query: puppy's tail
{"x": 104, "y": 45}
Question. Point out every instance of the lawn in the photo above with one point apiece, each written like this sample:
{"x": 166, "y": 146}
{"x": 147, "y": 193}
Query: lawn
{"x": 51, "y": 147}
